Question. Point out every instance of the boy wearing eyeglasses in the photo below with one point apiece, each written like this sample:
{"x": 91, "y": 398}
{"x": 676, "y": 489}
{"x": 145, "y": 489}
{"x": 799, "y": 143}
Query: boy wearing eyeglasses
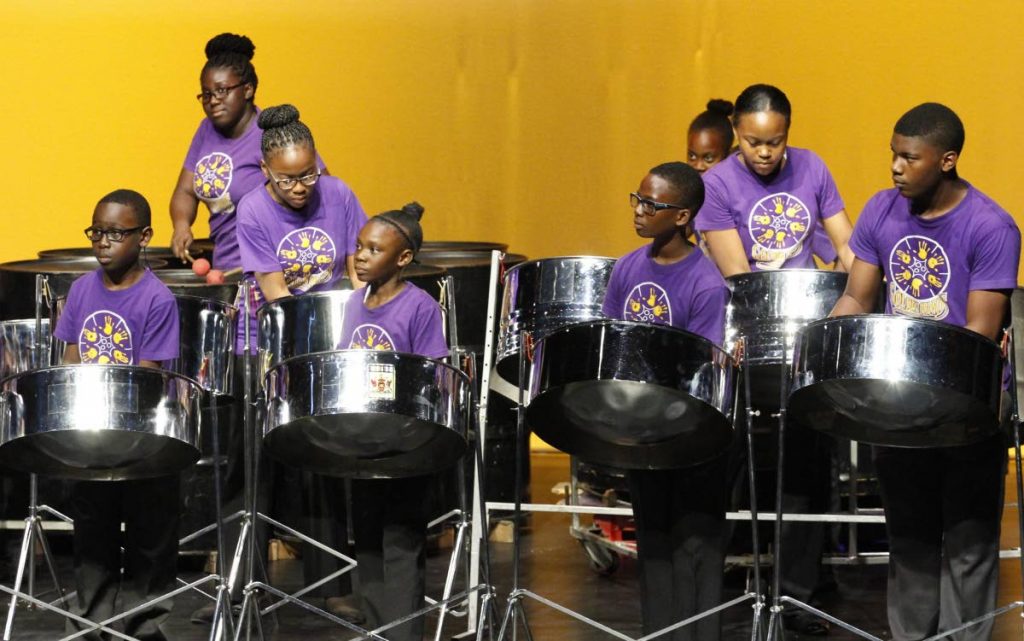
{"x": 679, "y": 514}
{"x": 121, "y": 314}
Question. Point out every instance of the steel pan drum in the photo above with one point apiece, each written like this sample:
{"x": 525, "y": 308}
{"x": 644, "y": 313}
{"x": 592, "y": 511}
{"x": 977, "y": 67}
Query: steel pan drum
{"x": 632, "y": 395}
{"x": 18, "y": 346}
{"x": 479, "y": 246}
{"x": 766, "y": 309}
{"x": 544, "y": 295}
{"x": 163, "y": 254}
{"x": 99, "y": 422}
{"x": 892, "y": 380}
{"x": 366, "y": 414}
{"x": 310, "y": 323}
{"x": 207, "y": 334}
{"x": 185, "y": 282}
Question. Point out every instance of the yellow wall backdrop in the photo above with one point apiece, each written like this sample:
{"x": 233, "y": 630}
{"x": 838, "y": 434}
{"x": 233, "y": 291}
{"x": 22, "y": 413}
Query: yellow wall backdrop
{"x": 526, "y": 121}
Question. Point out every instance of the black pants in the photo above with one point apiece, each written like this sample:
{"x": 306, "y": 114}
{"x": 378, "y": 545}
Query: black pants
{"x": 321, "y": 500}
{"x": 942, "y": 512}
{"x": 390, "y": 521}
{"x": 680, "y": 536}
{"x": 149, "y": 509}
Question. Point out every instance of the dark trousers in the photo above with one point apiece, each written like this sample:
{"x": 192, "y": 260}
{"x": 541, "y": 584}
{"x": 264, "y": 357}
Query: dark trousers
{"x": 390, "y": 517}
{"x": 680, "y": 536}
{"x": 149, "y": 509}
{"x": 942, "y": 512}
{"x": 322, "y": 503}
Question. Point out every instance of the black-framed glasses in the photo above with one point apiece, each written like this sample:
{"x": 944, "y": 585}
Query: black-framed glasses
{"x": 288, "y": 184}
{"x": 94, "y": 234}
{"x": 647, "y": 206}
{"x": 221, "y": 93}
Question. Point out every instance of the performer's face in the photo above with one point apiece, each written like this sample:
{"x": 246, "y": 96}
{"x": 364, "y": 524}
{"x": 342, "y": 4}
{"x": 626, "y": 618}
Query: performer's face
{"x": 117, "y": 256}
{"x": 762, "y": 137}
{"x": 381, "y": 252}
{"x": 918, "y": 166}
{"x": 289, "y": 164}
{"x": 664, "y": 221}
{"x": 224, "y": 112}
{"x": 705, "y": 148}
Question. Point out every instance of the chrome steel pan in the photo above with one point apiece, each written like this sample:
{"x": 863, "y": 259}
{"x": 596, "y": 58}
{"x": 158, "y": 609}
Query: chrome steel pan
{"x": 207, "y": 334}
{"x": 892, "y": 380}
{"x": 543, "y": 295}
{"x": 366, "y": 414}
{"x": 18, "y": 346}
{"x": 99, "y": 422}
{"x": 184, "y": 282}
{"x": 632, "y": 395}
{"x": 766, "y": 309}
{"x": 311, "y": 323}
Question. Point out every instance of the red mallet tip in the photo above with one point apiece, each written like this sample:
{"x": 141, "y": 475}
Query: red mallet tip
{"x": 215, "y": 277}
{"x": 200, "y": 266}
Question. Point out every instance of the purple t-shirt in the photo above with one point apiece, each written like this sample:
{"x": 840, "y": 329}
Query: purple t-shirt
{"x": 308, "y": 246}
{"x": 776, "y": 220}
{"x": 932, "y": 265}
{"x": 690, "y": 294}
{"x": 120, "y": 327}
{"x": 410, "y": 322}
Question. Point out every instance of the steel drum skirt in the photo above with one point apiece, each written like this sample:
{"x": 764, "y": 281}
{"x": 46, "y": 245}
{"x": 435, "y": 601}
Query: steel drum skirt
{"x": 543, "y": 295}
{"x": 99, "y": 422}
{"x": 632, "y": 395}
{"x": 892, "y": 380}
{"x": 366, "y": 414}
{"x": 766, "y": 309}
{"x": 18, "y": 346}
{"x": 207, "y": 334}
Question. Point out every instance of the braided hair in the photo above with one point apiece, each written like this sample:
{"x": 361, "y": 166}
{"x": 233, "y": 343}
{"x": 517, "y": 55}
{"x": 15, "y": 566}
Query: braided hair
{"x": 758, "y": 98}
{"x": 406, "y": 221}
{"x": 282, "y": 128}
{"x": 716, "y": 118}
{"x": 232, "y": 51}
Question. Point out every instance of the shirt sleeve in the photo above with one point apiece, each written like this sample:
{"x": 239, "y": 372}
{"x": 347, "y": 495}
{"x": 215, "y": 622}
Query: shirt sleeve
{"x": 427, "y": 335}
{"x": 829, "y": 201}
{"x": 160, "y": 340}
{"x": 355, "y": 218}
{"x": 707, "y": 314}
{"x": 996, "y": 257}
{"x": 863, "y": 241}
{"x": 194, "y": 149}
{"x": 258, "y": 253}
{"x": 714, "y": 214}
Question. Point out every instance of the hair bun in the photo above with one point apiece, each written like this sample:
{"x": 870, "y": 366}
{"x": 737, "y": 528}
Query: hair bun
{"x": 414, "y": 209}
{"x": 230, "y": 43}
{"x": 280, "y": 116}
{"x": 719, "y": 106}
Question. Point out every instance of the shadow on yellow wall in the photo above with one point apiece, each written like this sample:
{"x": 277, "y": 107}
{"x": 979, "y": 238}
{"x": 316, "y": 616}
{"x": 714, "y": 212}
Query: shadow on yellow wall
{"x": 527, "y": 121}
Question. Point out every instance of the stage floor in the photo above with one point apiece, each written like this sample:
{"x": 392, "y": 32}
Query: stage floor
{"x": 555, "y": 567}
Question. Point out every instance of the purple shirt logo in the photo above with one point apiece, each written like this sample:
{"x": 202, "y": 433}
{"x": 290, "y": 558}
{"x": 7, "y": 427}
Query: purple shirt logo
{"x": 778, "y": 225}
{"x": 212, "y": 178}
{"x": 307, "y": 258}
{"x": 648, "y": 303}
{"x": 368, "y": 336}
{"x": 105, "y": 339}
{"x": 920, "y": 275}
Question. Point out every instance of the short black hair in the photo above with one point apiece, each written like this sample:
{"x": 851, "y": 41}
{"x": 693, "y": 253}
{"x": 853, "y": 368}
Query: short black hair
{"x": 758, "y": 98}
{"x": 687, "y": 182}
{"x": 282, "y": 128}
{"x": 716, "y": 118}
{"x": 406, "y": 221}
{"x": 132, "y": 199}
{"x": 936, "y": 123}
{"x": 232, "y": 51}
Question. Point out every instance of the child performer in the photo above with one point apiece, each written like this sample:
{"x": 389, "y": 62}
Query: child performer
{"x": 223, "y": 161}
{"x": 390, "y": 515}
{"x": 297, "y": 234}
{"x": 942, "y": 504}
{"x": 124, "y": 297}
{"x": 679, "y": 514}
{"x": 709, "y": 141}
{"x": 764, "y": 203}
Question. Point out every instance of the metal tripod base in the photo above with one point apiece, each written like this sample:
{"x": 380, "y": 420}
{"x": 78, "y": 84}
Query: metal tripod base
{"x": 33, "y": 534}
